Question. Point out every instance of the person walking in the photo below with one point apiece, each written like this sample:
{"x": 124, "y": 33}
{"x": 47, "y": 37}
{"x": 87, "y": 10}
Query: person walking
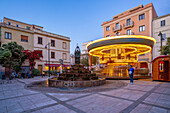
{"x": 131, "y": 71}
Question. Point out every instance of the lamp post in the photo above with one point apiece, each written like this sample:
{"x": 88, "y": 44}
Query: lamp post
{"x": 160, "y": 34}
{"x": 48, "y": 56}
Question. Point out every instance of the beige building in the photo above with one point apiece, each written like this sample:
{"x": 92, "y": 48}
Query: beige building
{"x": 22, "y": 33}
{"x": 59, "y": 49}
{"x": 33, "y": 37}
{"x": 84, "y": 50}
{"x": 160, "y": 24}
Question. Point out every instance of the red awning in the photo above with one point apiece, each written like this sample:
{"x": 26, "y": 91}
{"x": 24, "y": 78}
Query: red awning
{"x": 58, "y": 65}
{"x": 53, "y": 65}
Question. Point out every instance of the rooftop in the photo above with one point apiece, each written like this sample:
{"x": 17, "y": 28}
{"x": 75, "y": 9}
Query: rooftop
{"x": 128, "y": 12}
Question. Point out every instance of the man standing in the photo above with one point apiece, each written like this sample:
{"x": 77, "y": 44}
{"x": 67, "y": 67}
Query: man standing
{"x": 131, "y": 71}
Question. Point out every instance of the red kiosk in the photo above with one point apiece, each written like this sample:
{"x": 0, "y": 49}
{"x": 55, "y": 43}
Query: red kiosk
{"x": 161, "y": 68}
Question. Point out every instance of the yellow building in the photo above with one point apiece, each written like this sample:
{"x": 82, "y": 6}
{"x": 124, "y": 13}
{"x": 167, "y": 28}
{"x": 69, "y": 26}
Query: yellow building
{"x": 33, "y": 37}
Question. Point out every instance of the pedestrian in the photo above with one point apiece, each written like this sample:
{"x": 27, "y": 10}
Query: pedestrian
{"x": 131, "y": 71}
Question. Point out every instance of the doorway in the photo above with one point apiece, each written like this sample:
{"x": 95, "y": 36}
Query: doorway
{"x": 40, "y": 68}
{"x": 163, "y": 70}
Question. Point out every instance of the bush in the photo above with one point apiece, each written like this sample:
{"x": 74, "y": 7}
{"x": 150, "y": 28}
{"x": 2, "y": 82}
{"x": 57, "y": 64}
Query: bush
{"x": 36, "y": 72}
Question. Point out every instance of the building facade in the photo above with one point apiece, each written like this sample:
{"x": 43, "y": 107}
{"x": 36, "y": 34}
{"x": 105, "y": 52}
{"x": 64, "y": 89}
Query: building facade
{"x": 136, "y": 21}
{"x": 85, "y": 53}
{"x": 160, "y": 24}
{"x": 33, "y": 37}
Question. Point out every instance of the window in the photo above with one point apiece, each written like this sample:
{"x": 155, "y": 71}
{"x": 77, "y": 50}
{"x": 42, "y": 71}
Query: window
{"x": 24, "y": 38}
{"x": 64, "y": 45}
{"x": 128, "y": 32}
{"x": 41, "y": 53}
{"x": 53, "y": 43}
{"x": 107, "y": 28}
{"x": 52, "y": 54}
{"x": 162, "y": 23}
{"x": 107, "y": 35}
{"x": 117, "y": 34}
{"x": 9, "y": 23}
{"x": 39, "y": 40}
{"x": 128, "y": 22}
{"x": 28, "y": 28}
{"x": 64, "y": 56}
{"x": 142, "y": 16}
{"x": 141, "y": 28}
{"x": 17, "y": 25}
{"x": 117, "y": 25}
{"x": 8, "y": 35}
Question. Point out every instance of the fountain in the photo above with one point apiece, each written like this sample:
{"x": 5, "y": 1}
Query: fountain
{"x": 76, "y": 76}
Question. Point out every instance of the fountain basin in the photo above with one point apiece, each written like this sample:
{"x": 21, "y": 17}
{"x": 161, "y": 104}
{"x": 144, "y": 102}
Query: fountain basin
{"x": 53, "y": 82}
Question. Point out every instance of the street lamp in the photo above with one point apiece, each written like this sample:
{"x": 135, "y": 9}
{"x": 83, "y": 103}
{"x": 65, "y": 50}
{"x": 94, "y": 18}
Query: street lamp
{"x": 48, "y": 56}
{"x": 160, "y": 34}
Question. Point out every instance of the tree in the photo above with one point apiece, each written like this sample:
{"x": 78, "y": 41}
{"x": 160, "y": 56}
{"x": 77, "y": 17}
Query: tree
{"x": 165, "y": 50}
{"x": 11, "y": 55}
{"x": 32, "y": 56}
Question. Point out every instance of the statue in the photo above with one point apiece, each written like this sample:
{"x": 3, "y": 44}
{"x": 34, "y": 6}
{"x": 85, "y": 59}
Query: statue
{"x": 77, "y": 55}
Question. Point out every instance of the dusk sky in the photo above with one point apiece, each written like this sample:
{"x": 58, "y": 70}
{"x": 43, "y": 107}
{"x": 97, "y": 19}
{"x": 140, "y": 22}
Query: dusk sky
{"x": 78, "y": 19}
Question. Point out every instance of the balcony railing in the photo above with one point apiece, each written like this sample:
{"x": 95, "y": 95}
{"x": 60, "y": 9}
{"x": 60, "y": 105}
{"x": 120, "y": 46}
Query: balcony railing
{"x": 115, "y": 29}
{"x": 127, "y": 25}
{"x": 14, "y": 27}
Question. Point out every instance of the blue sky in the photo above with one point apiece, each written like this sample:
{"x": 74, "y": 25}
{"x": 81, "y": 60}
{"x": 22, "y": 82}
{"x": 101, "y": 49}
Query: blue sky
{"x": 78, "y": 19}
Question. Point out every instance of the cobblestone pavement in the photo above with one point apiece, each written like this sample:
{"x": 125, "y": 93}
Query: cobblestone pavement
{"x": 142, "y": 97}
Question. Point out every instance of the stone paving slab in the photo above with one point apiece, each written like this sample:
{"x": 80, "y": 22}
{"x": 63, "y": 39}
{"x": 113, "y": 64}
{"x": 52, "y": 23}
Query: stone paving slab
{"x": 142, "y": 108}
{"x": 124, "y": 93}
{"x": 65, "y": 97}
{"x": 142, "y": 97}
{"x": 100, "y": 103}
{"x": 158, "y": 99}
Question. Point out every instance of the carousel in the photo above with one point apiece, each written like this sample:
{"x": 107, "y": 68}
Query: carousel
{"x": 117, "y": 52}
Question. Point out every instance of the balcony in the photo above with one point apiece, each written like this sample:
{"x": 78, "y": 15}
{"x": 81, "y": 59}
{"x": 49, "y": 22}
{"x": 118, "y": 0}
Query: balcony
{"x": 128, "y": 25}
{"x": 116, "y": 29}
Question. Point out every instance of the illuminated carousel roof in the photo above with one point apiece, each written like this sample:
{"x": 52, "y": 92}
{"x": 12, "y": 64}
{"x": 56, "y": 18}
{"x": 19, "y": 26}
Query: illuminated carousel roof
{"x": 132, "y": 44}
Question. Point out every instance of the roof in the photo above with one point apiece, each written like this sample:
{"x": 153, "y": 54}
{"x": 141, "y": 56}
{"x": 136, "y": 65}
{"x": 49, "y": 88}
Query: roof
{"x": 161, "y": 56}
{"x": 128, "y": 12}
{"x": 21, "y": 22}
{"x": 162, "y": 16}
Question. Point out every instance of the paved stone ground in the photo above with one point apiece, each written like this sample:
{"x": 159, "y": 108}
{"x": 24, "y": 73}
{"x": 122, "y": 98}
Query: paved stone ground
{"x": 142, "y": 97}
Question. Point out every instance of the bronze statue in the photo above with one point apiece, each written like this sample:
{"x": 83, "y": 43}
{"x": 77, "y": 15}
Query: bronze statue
{"x": 77, "y": 55}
